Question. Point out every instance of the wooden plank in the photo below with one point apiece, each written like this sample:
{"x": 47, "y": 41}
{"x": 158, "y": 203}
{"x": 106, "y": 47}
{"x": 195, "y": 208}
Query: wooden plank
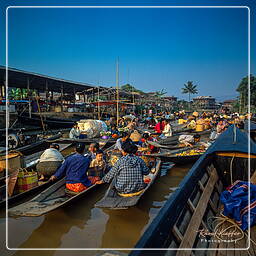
{"x": 177, "y": 233}
{"x": 196, "y": 219}
{"x": 253, "y": 240}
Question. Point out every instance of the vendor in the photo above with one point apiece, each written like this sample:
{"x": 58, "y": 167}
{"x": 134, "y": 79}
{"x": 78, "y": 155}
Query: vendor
{"x": 128, "y": 172}
{"x": 144, "y": 142}
{"x": 49, "y": 161}
{"x": 125, "y": 137}
{"x": 75, "y": 168}
{"x": 167, "y": 131}
{"x": 75, "y": 132}
{"x": 159, "y": 127}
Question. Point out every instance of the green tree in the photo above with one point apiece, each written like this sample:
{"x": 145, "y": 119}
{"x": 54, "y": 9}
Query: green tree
{"x": 161, "y": 93}
{"x": 243, "y": 92}
{"x": 189, "y": 88}
{"x": 130, "y": 88}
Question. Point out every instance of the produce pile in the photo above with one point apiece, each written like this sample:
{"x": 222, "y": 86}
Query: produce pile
{"x": 191, "y": 152}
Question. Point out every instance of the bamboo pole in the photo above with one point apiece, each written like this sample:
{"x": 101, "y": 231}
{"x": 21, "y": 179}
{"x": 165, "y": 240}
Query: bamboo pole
{"x": 98, "y": 102}
{"x": 117, "y": 91}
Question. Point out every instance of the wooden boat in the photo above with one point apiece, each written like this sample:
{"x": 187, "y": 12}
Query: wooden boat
{"x": 50, "y": 199}
{"x": 53, "y": 197}
{"x": 15, "y": 198}
{"x": 197, "y": 201}
{"x": 35, "y": 120}
{"x": 113, "y": 200}
{"x": 177, "y": 157}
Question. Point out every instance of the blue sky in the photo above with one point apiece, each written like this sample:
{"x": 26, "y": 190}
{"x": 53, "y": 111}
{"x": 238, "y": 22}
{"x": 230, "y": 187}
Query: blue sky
{"x": 157, "y": 48}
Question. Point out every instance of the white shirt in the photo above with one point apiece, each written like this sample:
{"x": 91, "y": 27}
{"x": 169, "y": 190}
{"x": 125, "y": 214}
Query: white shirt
{"x": 74, "y": 133}
{"x": 51, "y": 154}
{"x": 167, "y": 130}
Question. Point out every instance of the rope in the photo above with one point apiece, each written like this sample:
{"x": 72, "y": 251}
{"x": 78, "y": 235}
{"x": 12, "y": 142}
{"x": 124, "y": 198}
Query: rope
{"x": 232, "y": 228}
{"x": 231, "y": 171}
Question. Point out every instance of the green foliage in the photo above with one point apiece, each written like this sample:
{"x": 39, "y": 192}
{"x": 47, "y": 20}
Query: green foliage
{"x": 160, "y": 93}
{"x": 243, "y": 91}
{"x": 189, "y": 88}
{"x": 130, "y": 88}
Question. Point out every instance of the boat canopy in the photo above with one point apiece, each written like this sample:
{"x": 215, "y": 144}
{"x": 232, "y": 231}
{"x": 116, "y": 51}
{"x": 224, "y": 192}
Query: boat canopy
{"x": 233, "y": 140}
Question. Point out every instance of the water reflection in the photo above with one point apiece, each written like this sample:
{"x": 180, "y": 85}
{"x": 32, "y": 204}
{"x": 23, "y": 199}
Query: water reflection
{"x": 81, "y": 225}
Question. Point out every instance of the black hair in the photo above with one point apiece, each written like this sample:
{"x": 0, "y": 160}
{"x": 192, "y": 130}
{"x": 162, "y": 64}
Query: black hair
{"x": 80, "y": 148}
{"x": 55, "y": 145}
{"x": 96, "y": 145}
{"x": 129, "y": 147}
{"x": 145, "y": 135}
{"x": 196, "y": 136}
{"x": 124, "y": 134}
{"x": 99, "y": 151}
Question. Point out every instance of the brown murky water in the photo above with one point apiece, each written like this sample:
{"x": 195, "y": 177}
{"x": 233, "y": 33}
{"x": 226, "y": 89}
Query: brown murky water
{"x": 82, "y": 225}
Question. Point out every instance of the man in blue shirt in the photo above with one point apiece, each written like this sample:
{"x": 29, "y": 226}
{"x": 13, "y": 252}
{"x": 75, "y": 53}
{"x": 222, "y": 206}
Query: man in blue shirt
{"x": 75, "y": 168}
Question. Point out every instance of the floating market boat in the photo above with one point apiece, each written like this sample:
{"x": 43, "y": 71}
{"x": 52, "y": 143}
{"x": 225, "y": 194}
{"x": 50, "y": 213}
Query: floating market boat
{"x": 51, "y": 198}
{"x": 17, "y": 197}
{"x": 196, "y": 202}
{"x": 179, "y": 156}
{"x": 51, "y": 122}
{"x": 113, "y": 200}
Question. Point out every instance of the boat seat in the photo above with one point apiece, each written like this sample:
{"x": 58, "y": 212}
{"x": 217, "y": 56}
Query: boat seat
{"x": 70, "y": 192}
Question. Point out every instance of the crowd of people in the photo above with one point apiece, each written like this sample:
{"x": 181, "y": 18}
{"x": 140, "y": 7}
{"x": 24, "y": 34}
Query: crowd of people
{"x": 82, "y": 169}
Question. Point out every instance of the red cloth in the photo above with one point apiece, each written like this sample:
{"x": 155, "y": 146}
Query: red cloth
{"x": 79, "y": 187}
{"x": 158, "y": 128}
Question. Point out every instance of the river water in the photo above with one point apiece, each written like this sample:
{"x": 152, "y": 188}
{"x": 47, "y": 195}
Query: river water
{"x": 81, "y": 225}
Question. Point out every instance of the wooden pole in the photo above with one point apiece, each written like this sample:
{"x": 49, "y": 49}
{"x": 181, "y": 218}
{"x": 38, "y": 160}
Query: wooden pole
{"x": 98, "y": 102}
{"x": 39, "y": 110}
{"x": 29, "y": 97}
{"x": 117, "y": 91}
{"x": 47, "y": 95}
{"x": 62, "y": 97}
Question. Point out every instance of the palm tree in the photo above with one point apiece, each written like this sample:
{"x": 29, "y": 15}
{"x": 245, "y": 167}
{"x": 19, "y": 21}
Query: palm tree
{"x": 189, "y": 88}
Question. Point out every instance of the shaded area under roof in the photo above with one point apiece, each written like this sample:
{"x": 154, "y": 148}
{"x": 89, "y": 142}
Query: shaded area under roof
{"x": 18, "y": 78}
{"x": 252, "y": 126}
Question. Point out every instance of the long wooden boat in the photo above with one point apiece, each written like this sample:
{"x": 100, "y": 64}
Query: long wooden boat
{"x": 53, "y": 197}
{"x": 15, "y": 198}
{"x": 50, "y": 199}
{"x": 178, "y": 156}
{"x": 184, "y": 224}
{"x": 50, "y": 122}
{"x": 113, "y": 200}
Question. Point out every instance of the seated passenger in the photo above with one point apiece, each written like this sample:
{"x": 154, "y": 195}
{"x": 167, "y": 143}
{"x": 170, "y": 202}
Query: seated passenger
{"x": 145, "y": 139}
{"x": 128, "y": 171}
{"x": 49, "y": 161}
{"x": 125, "y": 137}
{"x": 75, "y": 132}
{"x": 98, "y": 166}
{"x": 93, "y": 148}
{"x": 167, "y": 131}
{"x": 75, "y": 168}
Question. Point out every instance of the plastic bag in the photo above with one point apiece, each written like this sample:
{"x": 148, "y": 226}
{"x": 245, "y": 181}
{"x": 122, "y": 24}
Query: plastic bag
{"x": 236, "y": 203}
